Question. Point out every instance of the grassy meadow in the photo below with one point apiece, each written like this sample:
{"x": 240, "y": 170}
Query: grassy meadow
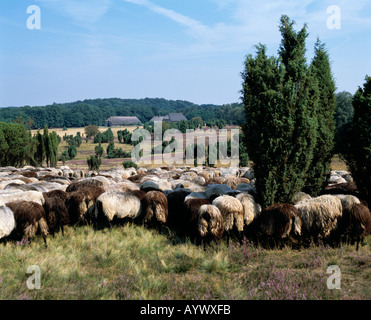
{"x": 132, "y": 262}
{"x": 88, "y": 148}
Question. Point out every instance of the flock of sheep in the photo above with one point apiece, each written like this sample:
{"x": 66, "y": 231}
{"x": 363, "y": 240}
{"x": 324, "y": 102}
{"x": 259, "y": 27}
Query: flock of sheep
{"x": 203, "y": 204}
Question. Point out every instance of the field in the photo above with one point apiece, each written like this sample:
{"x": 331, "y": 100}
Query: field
{"x": 87, "y": 149}
{"x": 132, "y": 262}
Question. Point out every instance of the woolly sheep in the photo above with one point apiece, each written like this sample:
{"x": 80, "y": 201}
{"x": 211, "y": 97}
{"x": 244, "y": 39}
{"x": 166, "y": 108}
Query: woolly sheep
{"x": 55, "y": 179}
{"x": 185, "y": 184}
{"x": 217, "y": 190}
{"x": 30, "y": 220}
{"x": 233, "y": 193}
{"x": 196, "y": 195}
{"x": 231, "y": 210}
{"x": 104, "y": 180}
{"x": 355, "y": 223}
{"x": 192, "y": 206}
{"x": 115, "y": 205}
{"x": 122, "y": 186}
{"x": 40, "y": 186}
{"x": 150, "y": 185}
{"x": 154, "y": 209}
{"x": 3, "y": 184}
{"x": 279, "y": 221}
{"x": 233, "y": 182}
{"x": 347, "y": 200}
{"x": 34, "y": 196}
{"x": 56, "y": 214}
{"x": 214, "y": 180}
{"x": 247, "y": 188}
{"x": 210, "y": 224}
{"x": 138, "y": 193}
{"x": 136, "y": 178}
{"x": 300, "y": 196}
{"x": 79, "y": 201}
{"x": 251, "y": 209}
{"x": 319, "y": 215}
{"x": 82, "y": 184}
{"x": 56, "y": 193}
{"x": 29, "y": 174}
{"x": 7, "y": 222}
{"x": 158, "y": 185}
{"x": 177, "y": 218}
{"x": 249, "y": 174}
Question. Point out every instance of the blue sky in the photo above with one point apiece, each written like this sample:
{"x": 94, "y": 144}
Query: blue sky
{"x": 175, "y": 49}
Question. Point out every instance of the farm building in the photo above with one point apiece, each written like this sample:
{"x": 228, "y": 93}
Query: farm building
{"x": 171, "y": 117}
{"x": 122, "y": 121}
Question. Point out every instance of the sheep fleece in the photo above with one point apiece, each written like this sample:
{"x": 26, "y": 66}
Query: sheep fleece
{"x": 7, "y": 221}
{"x": 120, "y": 205}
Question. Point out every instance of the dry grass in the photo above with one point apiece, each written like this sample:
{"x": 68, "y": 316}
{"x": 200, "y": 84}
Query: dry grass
{"x": 338, "y": 164}
{"x": 132, "y": 262}
{"x": 74, "y": 131}
{"x": 87, "y": 149}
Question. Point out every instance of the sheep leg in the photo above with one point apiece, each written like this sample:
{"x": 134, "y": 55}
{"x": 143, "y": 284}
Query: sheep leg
{"x": 228, "y": 236}
{"x": 357, "y": 247}
{"x": 200, "y": 241}
{"x": 62, "y": 230}
{"x": 46, "y": 245}
{"x": 240, "y": 237}
{"x": 217, "y": 243}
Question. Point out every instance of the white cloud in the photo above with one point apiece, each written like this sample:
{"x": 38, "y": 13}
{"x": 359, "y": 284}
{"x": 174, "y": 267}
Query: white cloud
{"x": 251, "y": 22}
{"x": 194, "y": 27}
{"x": 254, "y": 21}
{"x": 82, "y": 11}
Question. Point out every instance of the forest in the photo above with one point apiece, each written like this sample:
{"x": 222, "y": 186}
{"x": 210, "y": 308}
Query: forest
{"x": 96, "y": 111}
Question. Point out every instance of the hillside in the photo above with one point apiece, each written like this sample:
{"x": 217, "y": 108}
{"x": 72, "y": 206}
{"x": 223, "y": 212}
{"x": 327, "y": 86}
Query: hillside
{"x": 96, "y": 111}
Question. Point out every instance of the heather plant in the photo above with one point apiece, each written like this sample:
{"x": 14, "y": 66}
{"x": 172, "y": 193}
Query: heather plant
{"x": 242, "y": 252}
{"x": 131, "y": 262}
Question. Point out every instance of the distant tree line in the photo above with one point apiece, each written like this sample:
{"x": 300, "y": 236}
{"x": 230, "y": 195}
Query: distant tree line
{"x": 97, "y": 111}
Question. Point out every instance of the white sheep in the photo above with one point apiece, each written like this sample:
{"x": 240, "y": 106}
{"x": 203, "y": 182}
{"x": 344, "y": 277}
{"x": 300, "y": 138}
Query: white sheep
{"x": 347, "y": 200}
{"x": 251, "y": 209}
{"x": 7, "y": 222}
{"x": 319, "y": 215}
{"x": 34, "y": 196}
{"x": 119, "y": 205}
{"x": 210, "y": 223}
{"x": 231, "y": 210}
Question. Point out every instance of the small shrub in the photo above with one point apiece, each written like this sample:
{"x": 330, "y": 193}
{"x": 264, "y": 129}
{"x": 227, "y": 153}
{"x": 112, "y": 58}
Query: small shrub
{"x": 94, "y": 162}
{"x": 129, "y": 164}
